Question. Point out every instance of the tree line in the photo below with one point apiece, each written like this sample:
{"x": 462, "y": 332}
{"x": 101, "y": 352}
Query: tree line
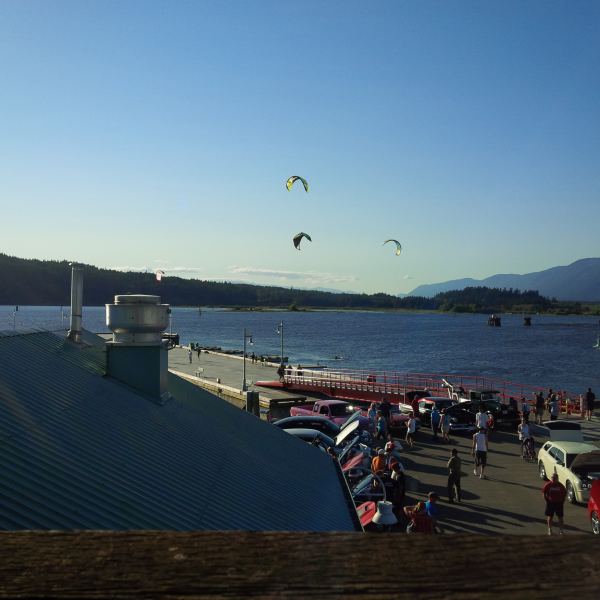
{"x": 47, "y": 282}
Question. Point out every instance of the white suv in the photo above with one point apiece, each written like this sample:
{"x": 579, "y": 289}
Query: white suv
{"x": 570, "y": 459}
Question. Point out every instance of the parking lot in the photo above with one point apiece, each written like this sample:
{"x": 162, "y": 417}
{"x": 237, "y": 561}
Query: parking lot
{"x": 509, "y": 500}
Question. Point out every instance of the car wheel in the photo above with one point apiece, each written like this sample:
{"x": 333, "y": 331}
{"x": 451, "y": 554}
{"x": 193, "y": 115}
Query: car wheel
{"x": 542, "y": 471}
{"x": 595, "y": 523}
{"x": 571, "y": 493}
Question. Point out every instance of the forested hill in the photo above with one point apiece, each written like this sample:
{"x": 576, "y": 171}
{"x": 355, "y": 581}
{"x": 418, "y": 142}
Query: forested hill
{"x": 41, "y": 282}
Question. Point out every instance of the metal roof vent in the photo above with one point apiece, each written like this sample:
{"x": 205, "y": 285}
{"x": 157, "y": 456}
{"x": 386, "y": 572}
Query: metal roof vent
{"x": 137, "y": 355}
{"x": 137, "y": 319}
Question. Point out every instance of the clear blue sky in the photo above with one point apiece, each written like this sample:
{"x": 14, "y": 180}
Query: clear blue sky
{"x": 160, "y": 134}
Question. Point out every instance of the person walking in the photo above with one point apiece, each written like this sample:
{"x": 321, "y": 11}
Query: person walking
{"x": 589, "y": 401}
{"x": 435, "y": 422}
{"x": 190, "y": 355}
{"x": 432, "y": 508}
{"x": 386, "y": 408}
{"x": 381, "y": 427}
{"x": 554, "y": 495}
{"x": 479, "y": 450}
{"x": 524, "y": 432}
{"x": 372, "y": 414}
{"x": 554, "y": 407}
{"x": 411, "y": 427}
{"x": 398, "y": 485}
{"x": 454, "y": 476}
{"x": 281, "y": 372}
{"x": 445, "y": 425}
{"x": 525, "y": 408}
{"x": 378, "y": 462}
{"x": 539, "y": 408}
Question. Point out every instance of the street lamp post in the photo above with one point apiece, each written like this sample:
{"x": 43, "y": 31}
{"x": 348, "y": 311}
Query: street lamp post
{"x": 247, "y": 336}
{"x": 280, "y": 332}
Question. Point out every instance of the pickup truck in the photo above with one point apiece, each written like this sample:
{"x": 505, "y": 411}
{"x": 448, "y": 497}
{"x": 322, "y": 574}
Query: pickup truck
{"x": 337, "y": 411}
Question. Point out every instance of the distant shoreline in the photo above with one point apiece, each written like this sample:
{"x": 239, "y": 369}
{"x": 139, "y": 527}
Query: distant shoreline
{"x": 274, "y": 309}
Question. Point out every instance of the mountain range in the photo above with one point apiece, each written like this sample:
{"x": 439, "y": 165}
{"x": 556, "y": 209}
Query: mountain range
{"x": 579, "y": 281}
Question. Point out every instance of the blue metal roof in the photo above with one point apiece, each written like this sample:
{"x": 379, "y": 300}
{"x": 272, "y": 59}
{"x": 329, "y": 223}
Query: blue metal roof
{"x": 81, "y": 451}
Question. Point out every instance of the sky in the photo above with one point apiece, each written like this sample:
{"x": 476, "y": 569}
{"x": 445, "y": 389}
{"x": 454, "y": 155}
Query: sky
{"x": 159, "y": 135}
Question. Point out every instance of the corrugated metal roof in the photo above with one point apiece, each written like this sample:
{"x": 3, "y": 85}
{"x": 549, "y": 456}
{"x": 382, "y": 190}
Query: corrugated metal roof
{"x": 81, "y": 451}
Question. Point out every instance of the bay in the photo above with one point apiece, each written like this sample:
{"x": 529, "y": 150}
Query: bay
{"x": 556, "y": 351}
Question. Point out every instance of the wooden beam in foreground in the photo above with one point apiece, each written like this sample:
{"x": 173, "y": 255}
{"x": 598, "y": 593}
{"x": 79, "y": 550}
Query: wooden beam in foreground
{"x": 308, "y": 565}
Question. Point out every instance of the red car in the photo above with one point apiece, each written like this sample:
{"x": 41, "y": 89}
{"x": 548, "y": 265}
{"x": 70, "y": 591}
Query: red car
{"x": 594, "y": 507}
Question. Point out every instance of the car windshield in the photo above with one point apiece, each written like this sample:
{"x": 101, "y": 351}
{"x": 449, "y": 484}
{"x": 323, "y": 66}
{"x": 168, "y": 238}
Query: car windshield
{"x": 362, "y": 485}
{"x": 491, "y": 405}
{"x": 339, "y": 410}
{"x": 444, "y": 403}
{"x": 570, "y": 459}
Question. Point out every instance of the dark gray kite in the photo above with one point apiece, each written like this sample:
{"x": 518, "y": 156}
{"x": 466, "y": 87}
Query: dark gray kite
{"x": 298, "y": 238}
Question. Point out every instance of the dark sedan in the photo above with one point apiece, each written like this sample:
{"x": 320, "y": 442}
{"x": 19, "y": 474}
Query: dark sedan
{"x": 461, "y": 420}
{"x": 322, "y": 424}
{"x": 504, "y": 415}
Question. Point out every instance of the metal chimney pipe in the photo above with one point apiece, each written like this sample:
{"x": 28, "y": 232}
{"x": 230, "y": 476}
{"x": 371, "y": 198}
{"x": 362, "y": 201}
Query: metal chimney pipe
{"x": 76, "y": 302}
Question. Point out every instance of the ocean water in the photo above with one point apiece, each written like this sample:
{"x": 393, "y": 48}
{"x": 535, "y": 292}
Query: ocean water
{"x": 554, "y": 351}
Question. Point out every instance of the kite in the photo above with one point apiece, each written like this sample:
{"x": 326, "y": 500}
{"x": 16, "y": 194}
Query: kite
{"x": 298, "y": 238}
{"x": 398, "y": 246}
{"x": 159, "y": 274}
{"x": 290, "y": 182}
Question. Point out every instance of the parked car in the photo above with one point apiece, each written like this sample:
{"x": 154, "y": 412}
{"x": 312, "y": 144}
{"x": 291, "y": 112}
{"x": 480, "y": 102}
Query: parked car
{"x": 370, "y": 488}
{"x": 426, "y": 406}
{"x": 312, "y": 436}
{"x": 503, "y": 415}
{"x": 480, "y": 395}
{"x": 398, "y": 419}
{"x": 577, "y": 463}
{"x": 349, "y": 435}
{"x": 410, "y": 401}
{"x": 337, "y": 411}
{"x": 322, "y": 424}
{"x": 594, "y": 507}
{"x": 461, "y": 419}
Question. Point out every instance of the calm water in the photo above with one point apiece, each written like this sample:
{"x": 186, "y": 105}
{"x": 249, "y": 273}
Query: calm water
{"x": 555, "y": 351}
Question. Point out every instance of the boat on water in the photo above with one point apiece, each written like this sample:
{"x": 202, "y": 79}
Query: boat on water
{"x": 373, "y": 386}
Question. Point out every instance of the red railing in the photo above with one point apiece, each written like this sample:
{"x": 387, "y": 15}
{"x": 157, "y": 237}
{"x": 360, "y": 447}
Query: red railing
{"x": 394, "y": 385}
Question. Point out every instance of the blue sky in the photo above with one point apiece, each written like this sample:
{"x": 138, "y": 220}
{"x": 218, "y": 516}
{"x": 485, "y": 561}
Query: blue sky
{"x": 160, "y": 135}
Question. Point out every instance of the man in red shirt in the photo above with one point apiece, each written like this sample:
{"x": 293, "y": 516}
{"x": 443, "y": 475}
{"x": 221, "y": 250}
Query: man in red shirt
{"x": 554, "y": 494}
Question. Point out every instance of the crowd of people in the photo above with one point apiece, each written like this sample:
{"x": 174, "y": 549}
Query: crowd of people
{"x": 423, "y": 516}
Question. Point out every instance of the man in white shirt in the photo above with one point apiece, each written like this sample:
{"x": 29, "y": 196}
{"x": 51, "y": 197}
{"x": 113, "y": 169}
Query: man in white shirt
{"x": 481, "y": 419}
{"x": 524, "y": 432}
{"x": 411, "y": 427}
{"x": 479, "y": 451}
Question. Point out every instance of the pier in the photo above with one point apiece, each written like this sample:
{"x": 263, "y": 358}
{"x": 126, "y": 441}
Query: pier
{"x": 222, "y": 374}
{"x": 509, "y": 501}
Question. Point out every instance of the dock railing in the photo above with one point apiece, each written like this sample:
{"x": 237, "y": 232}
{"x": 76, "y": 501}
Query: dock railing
{"x": 395, "y": 385}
